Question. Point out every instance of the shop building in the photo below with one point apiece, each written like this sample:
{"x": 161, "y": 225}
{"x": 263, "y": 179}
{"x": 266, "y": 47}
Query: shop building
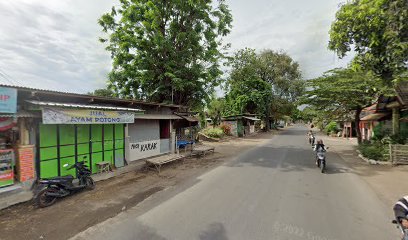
{"x": 49, "y": 129}
{"x": 241, "y": 125}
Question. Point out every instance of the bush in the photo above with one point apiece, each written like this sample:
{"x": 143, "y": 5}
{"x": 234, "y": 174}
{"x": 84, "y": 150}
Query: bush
{"x": 214, "y": 132}
{"x": 374, "y": 151}
{"x": 226, "y": 129}
{"x": 331, "y": 128}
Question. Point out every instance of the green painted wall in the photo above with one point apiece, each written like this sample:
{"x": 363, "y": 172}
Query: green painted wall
{"x": 96, "y": 142}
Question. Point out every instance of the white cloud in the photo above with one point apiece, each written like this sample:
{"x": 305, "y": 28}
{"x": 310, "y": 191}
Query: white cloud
{"x": 295, "y": 26}
{"x": 54, "y": 44}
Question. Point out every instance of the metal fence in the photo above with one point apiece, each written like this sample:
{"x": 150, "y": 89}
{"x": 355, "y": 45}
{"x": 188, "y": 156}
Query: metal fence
{"x": 398, "y": 154}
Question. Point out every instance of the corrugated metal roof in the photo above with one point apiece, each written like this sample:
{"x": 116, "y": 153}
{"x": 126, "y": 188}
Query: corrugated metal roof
{"x": 157, "y": 116}
{"x": 190, "y": 119}
{"x": 252, "y": 118}
{"x": 91, "y": 96}
{"x": 82, "y": 106}
{"x": 374, "y": 117}
{"x": 22, "y": 114}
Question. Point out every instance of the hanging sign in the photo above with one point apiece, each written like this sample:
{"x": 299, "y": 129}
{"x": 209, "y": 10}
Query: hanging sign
{"x": 144, "y": 149}
{"x": 8, "y": 100}
{"x": 85, "y": 116}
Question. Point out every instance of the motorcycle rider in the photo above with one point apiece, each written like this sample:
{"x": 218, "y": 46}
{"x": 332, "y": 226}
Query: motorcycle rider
{"x": 319, "y": 147}
{"x": 311, "y": 137}
{"x": 401, "y": 212}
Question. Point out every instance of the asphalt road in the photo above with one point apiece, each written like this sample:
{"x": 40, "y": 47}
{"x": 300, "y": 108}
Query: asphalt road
{"x": 274, "y": 191}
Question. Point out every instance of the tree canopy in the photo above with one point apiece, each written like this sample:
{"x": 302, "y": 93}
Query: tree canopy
{"x": 103, "y": 92}
{"x": 377, "y": 30}
{"x": 166, "y": 50}
{"x": 340, "y": 91}
{"x": 264, "y": 83}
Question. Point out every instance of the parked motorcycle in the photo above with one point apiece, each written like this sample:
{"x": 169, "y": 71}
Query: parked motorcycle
{"x": 50, "y": 189}
{"x": 404, "y": 232}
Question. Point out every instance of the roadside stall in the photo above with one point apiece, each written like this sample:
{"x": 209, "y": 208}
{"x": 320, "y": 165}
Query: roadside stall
{"x": 8, "y": 107}
{"x": 150, "y": 135}
{"x": 70, "y": 133}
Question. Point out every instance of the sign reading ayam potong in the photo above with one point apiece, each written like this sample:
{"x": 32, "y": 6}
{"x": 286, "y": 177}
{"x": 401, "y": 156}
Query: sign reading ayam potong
{"x": 85, "y": 116}
{"x": 144, "y": 149}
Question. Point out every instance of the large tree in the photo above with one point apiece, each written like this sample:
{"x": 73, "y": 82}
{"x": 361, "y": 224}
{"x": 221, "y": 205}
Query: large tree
{"x": 166, "y": 50}
{"x": 267, "y": 83}
{"x": 377, "y": 30}
{"x": 284, "y": 76}
{"x": 246, "y": 91}
{"x": 341, "y": 91}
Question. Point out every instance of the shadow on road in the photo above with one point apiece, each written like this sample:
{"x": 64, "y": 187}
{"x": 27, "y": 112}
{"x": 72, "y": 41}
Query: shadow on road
{"x": 215, "y": 231}
{"x": 290, "y": 158}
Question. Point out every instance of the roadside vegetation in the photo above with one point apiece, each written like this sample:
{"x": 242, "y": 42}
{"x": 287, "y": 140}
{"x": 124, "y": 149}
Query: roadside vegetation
{"x": 376, "y": 32}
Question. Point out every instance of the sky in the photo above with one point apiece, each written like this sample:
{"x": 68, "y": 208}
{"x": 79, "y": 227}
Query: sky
{"x": 51, "y": 44}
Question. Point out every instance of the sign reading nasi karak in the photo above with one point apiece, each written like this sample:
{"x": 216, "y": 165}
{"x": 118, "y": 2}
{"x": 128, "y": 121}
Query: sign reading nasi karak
{"x": 8, "y": 100}
{"x": 85, "y": 116}
{"x": 144, "y": 149}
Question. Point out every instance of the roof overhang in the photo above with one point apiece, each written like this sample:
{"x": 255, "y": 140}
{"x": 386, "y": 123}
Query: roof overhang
{"x": 374, "y": 117}
{"x": 82, "y": 106}
{"x": 22, "y": 114}
{"x": 252, "y": 118}
{"x": 157, "y": 116}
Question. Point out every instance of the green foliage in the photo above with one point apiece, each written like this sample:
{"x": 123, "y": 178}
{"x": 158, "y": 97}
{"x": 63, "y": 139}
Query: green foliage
{"x": 377, "y": 30}
{"x": 226, "y": 128}
{"x": 103, "y": 93}
{"x": 375, "y": 151}
{"x": 340, "y": 91}
{"x": 262, "y": 84}
{"x": 216, "y": 109}
{"x": 380, "y": 132}
{"x": 331, "y": 127}
{"x": 166, "y": 50}
{"x": 214, "y": 132}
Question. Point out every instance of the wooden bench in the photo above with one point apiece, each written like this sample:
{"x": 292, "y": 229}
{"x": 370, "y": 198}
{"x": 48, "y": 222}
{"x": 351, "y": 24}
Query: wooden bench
{"x": 201, "y": 150}
{"x": 157, "y": 162}
{"x": 103, "y": 167}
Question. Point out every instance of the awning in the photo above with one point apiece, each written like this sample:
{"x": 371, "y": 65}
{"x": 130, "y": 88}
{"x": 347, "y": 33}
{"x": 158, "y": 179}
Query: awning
{"x": 252, "y": 118}
{"x": 190, "y": 119}
{"x": 157, "y": 116}
{"x": 374, "y": 116}
{"x": 22, "y": 114}
{"x": 82, "y": 106}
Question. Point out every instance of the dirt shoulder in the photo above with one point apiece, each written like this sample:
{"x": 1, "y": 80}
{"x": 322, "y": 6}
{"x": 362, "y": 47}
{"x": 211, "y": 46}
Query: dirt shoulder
{"x": 76, "y": 213}
{"x": 387, "y": 181}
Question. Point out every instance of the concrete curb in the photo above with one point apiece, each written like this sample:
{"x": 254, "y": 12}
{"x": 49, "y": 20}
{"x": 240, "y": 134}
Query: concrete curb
{"x": 371, "y": 161}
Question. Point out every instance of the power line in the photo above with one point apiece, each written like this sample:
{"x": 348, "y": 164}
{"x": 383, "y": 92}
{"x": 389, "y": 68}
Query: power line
{"x": 9, "y": 78}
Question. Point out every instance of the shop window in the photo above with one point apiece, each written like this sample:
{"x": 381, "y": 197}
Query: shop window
{"x": 164, "y": 129}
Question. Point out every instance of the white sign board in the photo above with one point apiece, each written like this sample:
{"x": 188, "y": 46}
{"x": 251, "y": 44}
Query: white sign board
{"x": 144, "y": 149}
{"x": 85, "y": 116}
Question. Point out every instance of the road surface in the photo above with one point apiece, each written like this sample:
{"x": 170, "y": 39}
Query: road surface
{"x": 274, "y": 191}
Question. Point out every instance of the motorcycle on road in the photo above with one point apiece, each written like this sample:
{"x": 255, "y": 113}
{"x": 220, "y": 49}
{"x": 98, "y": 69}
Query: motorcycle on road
{"x": 48, "y": 190}
{"x": 321, "y": 160}
{"x": 312, "y": 139}
{"x": 404, "y": 232}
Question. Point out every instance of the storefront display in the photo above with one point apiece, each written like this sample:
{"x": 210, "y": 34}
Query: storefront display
{"x": 6, "y": 167}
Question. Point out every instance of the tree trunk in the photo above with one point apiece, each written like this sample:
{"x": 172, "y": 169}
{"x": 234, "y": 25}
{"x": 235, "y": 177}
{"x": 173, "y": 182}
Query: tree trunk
{"x": 357, "y": 124}
{"x": 267, "y": 121}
